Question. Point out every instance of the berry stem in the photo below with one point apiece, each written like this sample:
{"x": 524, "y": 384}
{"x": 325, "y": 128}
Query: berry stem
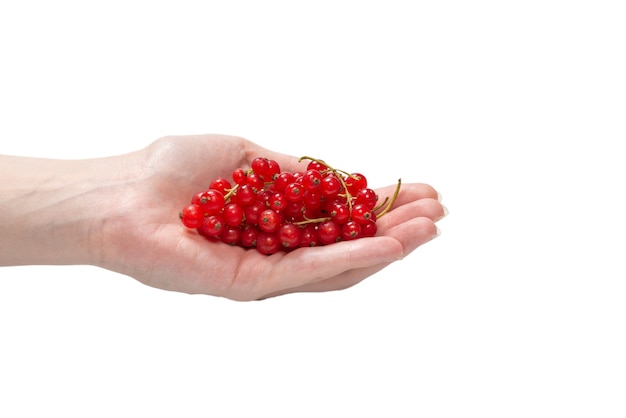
{"x": 391, "y": 202}
{"x": 311, "y": 221}
{"x": 231, "y": 192}
{"x": 379, "y": 206}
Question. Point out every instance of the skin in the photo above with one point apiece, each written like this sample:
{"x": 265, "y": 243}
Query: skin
{"x": 121, "y": 213}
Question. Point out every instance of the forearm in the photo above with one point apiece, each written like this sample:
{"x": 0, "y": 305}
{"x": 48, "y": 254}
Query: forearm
{"x": 51, "y": 211}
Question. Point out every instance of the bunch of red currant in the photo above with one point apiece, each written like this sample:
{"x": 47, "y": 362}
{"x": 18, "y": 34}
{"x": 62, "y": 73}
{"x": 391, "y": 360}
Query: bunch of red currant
{"x": 273, "y": 210}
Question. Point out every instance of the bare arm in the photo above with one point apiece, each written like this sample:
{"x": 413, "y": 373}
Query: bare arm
{"x": 121, "y": 213}
{"x": 52, "y": 209}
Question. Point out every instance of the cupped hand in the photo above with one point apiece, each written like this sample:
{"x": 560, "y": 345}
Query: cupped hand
{"x": 144, "y": 238}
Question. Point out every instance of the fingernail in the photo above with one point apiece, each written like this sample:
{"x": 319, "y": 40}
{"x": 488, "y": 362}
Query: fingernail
{"x": 439, "y": 197}
{"x": 437, "y": 233}
{"x": 445, "y": 213}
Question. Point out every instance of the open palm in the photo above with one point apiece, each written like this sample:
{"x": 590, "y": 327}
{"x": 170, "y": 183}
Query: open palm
{"x": 145, "y": 238}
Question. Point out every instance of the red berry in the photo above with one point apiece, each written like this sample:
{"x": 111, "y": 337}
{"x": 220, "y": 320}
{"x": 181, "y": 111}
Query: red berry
{"x": 245, "y": 194}
{"x": 273, "y": 170}
{"x": 192, "y": 216}
{"x": 308, "y": 213}
{"x": 328, "y": 232}
{"x": 297, "y": 176}
{"x": 264, "y": 196}
{"x": 331, "y": 186}
{"x": 249, "y": 236}
{"x": 312, "y": 200}
{"x": 294, "y": 192}
{"x": 317, "y": 165}
{"x": 278, "y": 201}
{"x": 260, "y": 166}
{"x": 361, "y": 213}
{"x": 295, "y": 211}
{"x": 369, "y": 229}
{"x": 252, "y": 212}
{"x": 221, "y": 184}
{"x": 233, "y": 214}
{"x": 210, "y": 201}
{"x": 289, "y": 235}
{"x": 368, "y": 197}
{"x": 213, "y": 225}
{"x": 355, "y": 182}
{"x": 267, "y": 243}
{"x": 240, "y": 176}
{"x": 312, "y": 180}
{"x": 269, "y": 221}
{"x": 256, "y": 181}
{"x": 230, "y": 235}
{"x": 282, "y": 180}
{"x": 339, "y": 213}
{"x": 350, "y": 230}
{"x": 308, "y": 236}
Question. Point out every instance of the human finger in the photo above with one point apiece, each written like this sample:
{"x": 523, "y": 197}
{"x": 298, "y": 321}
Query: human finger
{"x": 309, "y": 265}
{"x": 422, "y": 208}
{"x": 342, "y": 281}
{"x": 409, "y": 192}
{"x": 410, "y": 235}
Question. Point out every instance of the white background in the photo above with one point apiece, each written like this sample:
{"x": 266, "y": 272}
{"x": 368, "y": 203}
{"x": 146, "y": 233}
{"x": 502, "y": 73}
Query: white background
{"x": 514, "y": 111}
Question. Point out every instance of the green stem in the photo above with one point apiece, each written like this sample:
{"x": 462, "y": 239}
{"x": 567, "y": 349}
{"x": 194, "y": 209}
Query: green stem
{"x": 377, "y": 208}
{"x": 231, "y": 192}
{"x": 311, "y": 221}
{"x": 391, "y": 202}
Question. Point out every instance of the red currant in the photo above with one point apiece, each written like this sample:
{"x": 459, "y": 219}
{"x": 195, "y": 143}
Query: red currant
{"x": 289, "y": 235}
{"x": 308, "y": 236}
{"x": 295, "y": 210}
{"x": 260, "y": 166}
{"x": 213, "y": 225}
{"x": 339, "y": 213}
{"x": 328, "y": 232}
{"x": 350, "y": 230}
{"x": 233, "y": 214}
{"x": 278, "y": 201}
{"x": 331, "y": 186}
{"x": 269, "y": 221}
{"x": 249, "y": 236}
{"x": 240, "y": 176}
{"x": 230, "y": 235}
{"x": 256, "y": 181}
{"x": 221, "y": 184}
{"x": 252, "y": 212}
{"x": 361, "y": 213}
{"x": 318, "y": 165}
{"x": 264, "y": 196}
{"x": 312, "y": 180}
{"x": 273, "y": 170}
{"x": 355, "y": 182}
{"x": 192, "y": 216}
{"x": 210, "y": 201}
{"x": 267, "y": 243}
{"x": 312, "y": 200}
{"x": 368, "y": 197}
{"x": 369, "y": 229}
{"x": 245, "y": 194}
{"x": 294, "y": 192}
{"x": 282, "y": 180}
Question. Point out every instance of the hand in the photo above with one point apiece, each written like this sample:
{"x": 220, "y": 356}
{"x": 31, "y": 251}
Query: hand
{"x": 146, "y": 240}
